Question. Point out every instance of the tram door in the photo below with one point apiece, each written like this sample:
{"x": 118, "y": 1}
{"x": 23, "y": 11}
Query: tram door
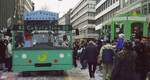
{"x": 119, "y": 29}
{"x": 137, "y": 30}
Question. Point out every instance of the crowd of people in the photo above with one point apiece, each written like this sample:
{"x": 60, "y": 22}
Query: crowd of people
{"x": 120, "y": 60}
{"x": 6, "y": 52}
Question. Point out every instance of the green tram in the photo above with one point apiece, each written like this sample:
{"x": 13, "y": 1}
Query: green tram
{"x": 131, "y": 24}
{"x": 42, "y": 49}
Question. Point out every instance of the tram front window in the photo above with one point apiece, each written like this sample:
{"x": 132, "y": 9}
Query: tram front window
{"x": 43, "y": 40}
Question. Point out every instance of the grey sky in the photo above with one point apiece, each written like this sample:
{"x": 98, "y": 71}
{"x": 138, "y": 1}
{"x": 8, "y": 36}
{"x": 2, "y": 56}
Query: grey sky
{"x": 55, "y": 5}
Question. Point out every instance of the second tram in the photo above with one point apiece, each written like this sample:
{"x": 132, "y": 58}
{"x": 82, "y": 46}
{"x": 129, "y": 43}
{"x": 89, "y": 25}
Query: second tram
{"x": 42, "y": 49}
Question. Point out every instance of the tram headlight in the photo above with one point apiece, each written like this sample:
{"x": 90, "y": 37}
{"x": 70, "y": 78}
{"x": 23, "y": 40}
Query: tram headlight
{"x": 24, "y": 56}
{"x": 61, "y": 55}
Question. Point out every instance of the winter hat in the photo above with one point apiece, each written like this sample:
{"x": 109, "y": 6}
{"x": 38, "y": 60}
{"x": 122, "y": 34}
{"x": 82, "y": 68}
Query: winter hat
{"x": 121, "y": 35}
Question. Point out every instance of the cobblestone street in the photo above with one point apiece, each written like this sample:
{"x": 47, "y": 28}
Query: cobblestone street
{"x": 74, "y": 74}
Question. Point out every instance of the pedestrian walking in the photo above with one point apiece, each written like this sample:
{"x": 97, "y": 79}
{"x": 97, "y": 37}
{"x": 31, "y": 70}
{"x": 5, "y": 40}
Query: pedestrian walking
{"x": 75, "y": 49}
{"x": 91, "y": 55}
{"x": 81, "y": 53}
{"x": 147, "y": 50}
{"x": 106, "y": 56}
{"x": 148, "y": 53}
{"x": 120, "y": 42}
{"x": 124, "y": 66}
{"x": 8, "y": 52}
{"x": 99, "y": 44}
{"x": 142, "y": 59}
{"x": 2, "y": 54}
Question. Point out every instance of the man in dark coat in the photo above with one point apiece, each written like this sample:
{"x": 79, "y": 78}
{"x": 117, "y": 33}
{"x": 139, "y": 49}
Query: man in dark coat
{"x": 75, "y": 48}
{"x": 120, "y": 42}
{"x": 91, "y": 55}
{"x": 2, "y": 53}
{"x": 124, "y": 68}
{"x": 141, "y": 60}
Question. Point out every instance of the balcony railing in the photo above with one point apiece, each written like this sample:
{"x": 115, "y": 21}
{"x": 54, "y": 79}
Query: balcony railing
{"x": 125, "y": 4}
{"x": 130, "y": 5}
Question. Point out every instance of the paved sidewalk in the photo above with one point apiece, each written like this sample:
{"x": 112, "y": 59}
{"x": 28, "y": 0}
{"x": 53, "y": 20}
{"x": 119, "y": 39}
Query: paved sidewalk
{"x": 8, "y": 76}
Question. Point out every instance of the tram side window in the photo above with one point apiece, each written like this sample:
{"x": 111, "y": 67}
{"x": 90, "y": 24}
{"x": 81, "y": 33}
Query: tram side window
{"x": 19, "y": 41}
{"x": 42, "y": 40}
{"x": 137, "y": 30}
{"x": 60, "y": 40}
{"x": 27, "y": 40}
{"x": 65, "y": 41}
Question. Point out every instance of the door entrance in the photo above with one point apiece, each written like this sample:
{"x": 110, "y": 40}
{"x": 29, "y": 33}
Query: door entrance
{"x": 137, "y": 30}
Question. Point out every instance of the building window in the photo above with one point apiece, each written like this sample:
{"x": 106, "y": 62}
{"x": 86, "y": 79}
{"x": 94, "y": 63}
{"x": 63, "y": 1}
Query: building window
{"x": 113, "y": 1}
{"x": 91, "y": 6}
{"x": 91, "y": 21}
{"x": 97, "y": 1}
{"x": 149, "y": 7}
{"x": 91, "y": 30}
{"x": 145, "y": 9}
{"x": 91, "y": 14}
{"x": 109, "y": 3}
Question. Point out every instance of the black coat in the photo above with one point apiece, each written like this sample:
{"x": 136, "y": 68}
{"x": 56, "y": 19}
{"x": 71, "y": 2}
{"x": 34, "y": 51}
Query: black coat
{"x": 124, "y": 68}
{"x": 75, "y": 49}
{"x": 91, "y": 53}
{"x": 141, "y": 60}
{"x": 2, "y": 51}
{"x": 147, "y": 55}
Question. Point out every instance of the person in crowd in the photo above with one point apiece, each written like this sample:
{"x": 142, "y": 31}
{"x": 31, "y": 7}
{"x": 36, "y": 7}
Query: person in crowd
{"x": 148, "y": 52}
{"x": 81, "y": 53}
{"x": 8, "y": 51}
{"x": 27, "y": 40}
{"x": 65, "y": 41}
{"x": 106, "y": 57}
{"x": 75, "y": 49}
{"x": 91, "y": 55}
{"x": 120, "y": 42}
{"x": 99, "y": 44}
{"x": 142, "y": 59}
{"x": 19, "y": 40}
{"x": 65, "y": 44}
{"x": 2, "y": 54}
{"x": 124, "y": 68}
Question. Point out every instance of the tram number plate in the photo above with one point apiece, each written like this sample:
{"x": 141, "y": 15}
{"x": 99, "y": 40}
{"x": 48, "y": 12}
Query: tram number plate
{"x": 43, "y": 65}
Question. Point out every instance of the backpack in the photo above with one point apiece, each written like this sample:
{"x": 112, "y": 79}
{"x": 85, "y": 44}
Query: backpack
{"x": 107, "y": 56}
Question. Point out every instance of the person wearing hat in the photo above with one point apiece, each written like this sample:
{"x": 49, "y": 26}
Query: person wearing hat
{"x": 120, "y": 42}
{"x": 8, "y": 52}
